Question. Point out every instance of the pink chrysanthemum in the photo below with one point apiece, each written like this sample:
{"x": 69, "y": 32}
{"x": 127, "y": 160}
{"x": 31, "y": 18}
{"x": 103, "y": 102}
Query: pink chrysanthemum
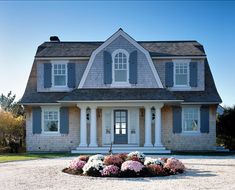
{"x": 174, "y": 165}
{"x": 110, "y": 170}
{"x": 77, "y": 164}
{"x": 132, "y": 165}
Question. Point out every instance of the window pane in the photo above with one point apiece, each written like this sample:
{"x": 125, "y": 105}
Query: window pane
{"x": 191, "y": 119}
{"x": 59, "y": 66}
{"x": 116, "y": 66}
{"x": 123, "y": 125}
{"x": 124, "y": 66}
{"x": 181, "y": 79}
{"x": 118, "y": 113}
{"x": 117, "y": 131}
{"x": 118, "y": 119}
{"x": 120, "y": 75}
{"x": 124, "y": 131}
{"x": 59, "y": 80}
{"x": 117, "y": 125}
{"x": 51, "y": 126}
{"x": 123, "y": 114}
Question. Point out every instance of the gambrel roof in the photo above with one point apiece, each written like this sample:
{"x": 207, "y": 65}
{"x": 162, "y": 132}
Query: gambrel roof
{"x": 155, "y": 48}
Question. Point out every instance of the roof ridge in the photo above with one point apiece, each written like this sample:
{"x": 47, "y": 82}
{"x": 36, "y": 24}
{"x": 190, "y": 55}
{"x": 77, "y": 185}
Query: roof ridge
{"x": 140, "y": 41}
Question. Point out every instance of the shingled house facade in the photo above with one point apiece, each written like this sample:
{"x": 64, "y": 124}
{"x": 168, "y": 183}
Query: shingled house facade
{"x": 151, "y": 96}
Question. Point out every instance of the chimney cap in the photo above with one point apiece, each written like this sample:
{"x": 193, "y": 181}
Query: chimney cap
{"x": 54, "y": 39}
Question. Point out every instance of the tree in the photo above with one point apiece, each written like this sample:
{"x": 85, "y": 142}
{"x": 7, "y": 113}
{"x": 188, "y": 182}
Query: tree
{"x": 226, "y": 128}
{"x": 12, "y": 123}
{"x": 11, "y": 130}
{"x": 7, "y": 103}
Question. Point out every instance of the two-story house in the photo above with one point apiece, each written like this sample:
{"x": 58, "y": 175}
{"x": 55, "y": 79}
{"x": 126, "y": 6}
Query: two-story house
{"x": 151, "y": 96}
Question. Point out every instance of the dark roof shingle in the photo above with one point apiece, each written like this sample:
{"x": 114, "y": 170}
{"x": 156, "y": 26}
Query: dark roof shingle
{"x": 155, "y": 48}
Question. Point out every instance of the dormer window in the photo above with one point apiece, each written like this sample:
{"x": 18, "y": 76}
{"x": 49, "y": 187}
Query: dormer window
{"x": 181, "y": 73}
{"x": 59, "y": 74}
{"x": 120, "y": 67}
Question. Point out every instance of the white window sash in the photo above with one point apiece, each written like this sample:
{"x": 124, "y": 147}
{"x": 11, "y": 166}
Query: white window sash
{"x": 48, "y": 109}
{"x": 184, "y": 62}
{"x": 59, "y": 62}
{"x": 120, "y": 83}
{"x": 198, "y": 120}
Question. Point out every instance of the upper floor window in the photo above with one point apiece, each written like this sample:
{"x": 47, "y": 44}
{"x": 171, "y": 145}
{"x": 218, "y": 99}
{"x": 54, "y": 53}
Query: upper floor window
{"x": 191, "y": 119}
{"x": 51, "y": 120}
{"x": 120, "y": 66}
{"x": 59, "y": 74}
{"x": 181, "y": 73}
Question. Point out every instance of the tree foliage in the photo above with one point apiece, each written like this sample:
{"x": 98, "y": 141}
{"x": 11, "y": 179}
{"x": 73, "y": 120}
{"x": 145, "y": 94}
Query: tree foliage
{"x": 8, "y": 103}
{"x": 12, "y": 123}
{"x": 226, "y": 128}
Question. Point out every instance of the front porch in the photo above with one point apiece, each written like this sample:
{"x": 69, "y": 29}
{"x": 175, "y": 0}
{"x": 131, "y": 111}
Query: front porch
{"x": 129, "y": 126}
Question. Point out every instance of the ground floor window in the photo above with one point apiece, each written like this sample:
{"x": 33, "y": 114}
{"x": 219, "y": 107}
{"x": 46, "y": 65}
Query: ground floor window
{"x": 191, "y": 119}
{"x": 51, "y": 120}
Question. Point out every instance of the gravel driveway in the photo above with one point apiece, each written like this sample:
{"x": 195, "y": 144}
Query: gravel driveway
{"x": 204, "y": 172}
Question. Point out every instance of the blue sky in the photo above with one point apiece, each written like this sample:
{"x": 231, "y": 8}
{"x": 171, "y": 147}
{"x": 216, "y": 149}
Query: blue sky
{"x": 25, "y": 25}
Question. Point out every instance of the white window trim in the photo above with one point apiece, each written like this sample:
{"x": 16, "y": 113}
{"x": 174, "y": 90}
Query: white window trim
{"x": 120, "y": 84}
{"x": 46, "y": 108}
{"x": 65, "y": 87}
{"x": 177, "y": 61}
{"x": 199, "y": 120}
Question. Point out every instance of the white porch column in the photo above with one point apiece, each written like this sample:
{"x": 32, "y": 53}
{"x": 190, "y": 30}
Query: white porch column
{"x": 83, "y": 127}
{"x": 93, "y": 136}
{"x": 158, "y": 126}
{"x": 148, "y": 126}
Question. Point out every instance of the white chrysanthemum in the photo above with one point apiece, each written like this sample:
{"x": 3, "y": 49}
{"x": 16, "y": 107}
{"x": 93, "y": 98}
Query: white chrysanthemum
{"x": 149, "y": 160}
{"x": 138, "y": 154}
{"x": 96, "y": 157}
{"x": 97, "y": 164}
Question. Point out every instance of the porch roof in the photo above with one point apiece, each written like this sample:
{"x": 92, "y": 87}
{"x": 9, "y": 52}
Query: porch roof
{"x": 119, "y": 94}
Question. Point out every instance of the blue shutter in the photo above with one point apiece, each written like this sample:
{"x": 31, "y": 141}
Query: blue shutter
{"x": 177, "y": 119}
{"x": 47, "y": 75}
{"x": 64, "y": 120}
{"x": 71, "y": 75}
{"x": 133, "y": 67}
{"x": 169, "y": 74}
{"x": 193, "y": 74}
{"x": 37, "y": 112}
{"x": 204, "y": 113}
{"x": 107, "y": 67}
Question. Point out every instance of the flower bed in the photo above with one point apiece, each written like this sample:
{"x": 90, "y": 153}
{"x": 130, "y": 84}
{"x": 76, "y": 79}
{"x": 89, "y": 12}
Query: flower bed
{"x": 134, "y": 164}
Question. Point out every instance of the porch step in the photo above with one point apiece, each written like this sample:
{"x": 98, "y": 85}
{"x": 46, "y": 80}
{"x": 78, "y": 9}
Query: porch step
{"x": 120, "y": 149}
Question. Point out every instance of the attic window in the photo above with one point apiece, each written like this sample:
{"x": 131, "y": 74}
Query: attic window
{"x": 59, "y": 75}
{"x": 120, "y": 66}
{"x": 181, "y": 73}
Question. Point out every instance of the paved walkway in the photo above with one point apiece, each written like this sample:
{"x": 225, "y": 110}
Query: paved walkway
{"x": 204, "y": 172}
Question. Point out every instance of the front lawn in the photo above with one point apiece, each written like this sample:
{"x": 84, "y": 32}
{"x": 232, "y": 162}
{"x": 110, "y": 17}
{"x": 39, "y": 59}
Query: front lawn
{"x": 7, "y": 157}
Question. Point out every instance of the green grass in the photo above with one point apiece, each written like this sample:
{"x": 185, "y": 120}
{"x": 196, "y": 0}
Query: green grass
{"x": 7, "y": 157}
